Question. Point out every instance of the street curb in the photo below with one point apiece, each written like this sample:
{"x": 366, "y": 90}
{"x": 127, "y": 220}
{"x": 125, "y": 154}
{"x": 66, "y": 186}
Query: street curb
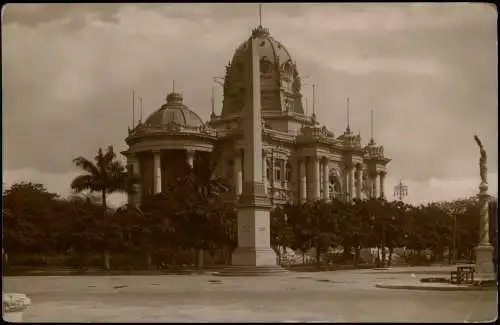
{"x": 429, "y": 288}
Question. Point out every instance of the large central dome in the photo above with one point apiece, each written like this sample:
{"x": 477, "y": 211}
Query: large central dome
{"x": 280, "y": 81}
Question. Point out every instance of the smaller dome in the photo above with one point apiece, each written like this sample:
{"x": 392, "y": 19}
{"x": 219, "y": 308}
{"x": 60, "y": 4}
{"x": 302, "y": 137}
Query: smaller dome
{"x": 174, "y": 111}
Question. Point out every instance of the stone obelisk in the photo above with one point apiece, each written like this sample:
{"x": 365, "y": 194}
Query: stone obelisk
{"x": 484, "y": 250}
{"x": 254, "y": 241}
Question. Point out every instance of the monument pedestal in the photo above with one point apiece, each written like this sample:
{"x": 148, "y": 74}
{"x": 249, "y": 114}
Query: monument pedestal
{"x": 252, "y": 256}
{"x": 484, "y": 263}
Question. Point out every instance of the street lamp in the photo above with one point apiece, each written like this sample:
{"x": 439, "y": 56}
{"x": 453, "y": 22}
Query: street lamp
{"x": 453, "y": 245}
{"x": 406, "y": 246}
{"x": 400, "y": 191}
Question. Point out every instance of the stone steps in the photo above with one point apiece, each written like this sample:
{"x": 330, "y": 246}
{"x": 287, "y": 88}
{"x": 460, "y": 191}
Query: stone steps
{"x": 251, "y": 271}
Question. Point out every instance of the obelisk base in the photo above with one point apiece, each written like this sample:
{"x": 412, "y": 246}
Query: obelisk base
{"x": 251, "y": 256}
{"x": 249, "y": 261}
{"x": 484, "y": 264}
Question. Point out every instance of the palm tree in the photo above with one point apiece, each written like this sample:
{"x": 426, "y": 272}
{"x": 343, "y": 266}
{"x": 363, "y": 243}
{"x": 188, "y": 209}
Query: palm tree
{"x": 106, "y": 175}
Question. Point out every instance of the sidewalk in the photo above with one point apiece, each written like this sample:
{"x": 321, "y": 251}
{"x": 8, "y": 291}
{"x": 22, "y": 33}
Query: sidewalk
{"x": 432, "y": 286}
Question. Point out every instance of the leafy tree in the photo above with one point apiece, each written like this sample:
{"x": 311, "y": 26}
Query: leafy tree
{"x": 281, "y": 229}
{"x": 84, "y": 228}
{"x": 300, "y": 219}
{"x": 325, "y": 227}
{"x": 29, "y": 218}
{"x": 159, "y": 232}
{"x": 348, "y": 218}
{"x": 200, "y": 208}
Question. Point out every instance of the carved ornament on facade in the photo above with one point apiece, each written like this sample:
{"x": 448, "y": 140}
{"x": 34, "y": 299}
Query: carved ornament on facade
{"x": 260, "y": 31}
{"x": 375, "y": 151}
{"x": 171, "y": 128}
{"x": 281, "y": 195}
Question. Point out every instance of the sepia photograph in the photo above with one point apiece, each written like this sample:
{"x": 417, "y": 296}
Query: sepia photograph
{"x": 250, "y": 162}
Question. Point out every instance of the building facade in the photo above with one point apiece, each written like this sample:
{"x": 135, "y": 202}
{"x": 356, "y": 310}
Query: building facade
{"x": 302, "y": 160}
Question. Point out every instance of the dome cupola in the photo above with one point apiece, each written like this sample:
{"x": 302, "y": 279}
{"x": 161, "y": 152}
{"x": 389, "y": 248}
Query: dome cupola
{"x": 280, "y": 81}
{"x": 174, "y": 112}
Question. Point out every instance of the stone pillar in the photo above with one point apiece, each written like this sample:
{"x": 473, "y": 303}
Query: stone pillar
{"x": 137, "y": 194}
{"x": 484, "y": 250}
{"x": 350, "y": 182}
{"x": 264, "y": 170}
{"x": 303, "y": 181}
{"x": 360, "y": 182}
{"x": 190, "y": 157}
{"x": 316, "y": 179}
{"x": 157, "y": 171}
{"x": 14, "y": 305}
{"x": 381, "y": 185}
{"x": 374, "y": 186}
{"x": 325, "y": 180}
{"x": 237, "y": 174}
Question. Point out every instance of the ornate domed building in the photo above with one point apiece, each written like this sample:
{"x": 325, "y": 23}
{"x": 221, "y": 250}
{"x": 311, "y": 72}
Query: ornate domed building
{"x": 301, "y": 159}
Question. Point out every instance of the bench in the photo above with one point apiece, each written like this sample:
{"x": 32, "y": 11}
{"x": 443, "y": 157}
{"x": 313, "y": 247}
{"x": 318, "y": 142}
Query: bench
{"x": 463, "y": 275}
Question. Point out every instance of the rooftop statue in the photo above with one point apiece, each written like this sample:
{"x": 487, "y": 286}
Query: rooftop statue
{"x": 483, "y": 169}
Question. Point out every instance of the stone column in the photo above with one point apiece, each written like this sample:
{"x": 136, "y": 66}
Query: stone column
{"x": 360, "y": 182}
{"x": 157, "y": 171}
{"x": 376, "y": 182}
{"x": 238, "y": 175}
{"x": 316, "y": 179}
{"x": 485, "y": 270}
{"x": 382, "y": 180}
{"x": 372, "y": 180}
{"x": 350, "y": 182}
{"x": 325, "y": 180}
{"x": 190, "y": 157}
{"x": 264, "y": 170}
{"x": 272, "y": 181}
{"x": 137, "y": 194}
{"x": 303, "y": 182}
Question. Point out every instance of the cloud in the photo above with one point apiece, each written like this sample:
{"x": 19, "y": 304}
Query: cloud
{"x": 37, "y": 14}
{"x": 435, "y": 189}
{"x": 393, "y": 17}
{"x": 428, "y": 71}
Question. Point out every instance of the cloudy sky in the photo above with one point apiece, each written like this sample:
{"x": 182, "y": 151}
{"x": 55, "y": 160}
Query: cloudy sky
{"x": 429, "y": 72}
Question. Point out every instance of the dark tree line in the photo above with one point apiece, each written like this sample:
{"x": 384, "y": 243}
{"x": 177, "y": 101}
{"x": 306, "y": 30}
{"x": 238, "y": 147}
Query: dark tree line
{"x": 197, "y": 214}
{"x": 437, "y": 227}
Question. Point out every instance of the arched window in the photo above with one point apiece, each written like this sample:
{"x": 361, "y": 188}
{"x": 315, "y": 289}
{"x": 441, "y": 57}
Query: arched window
{"x": 334, "y": 186}
{"x": 278, "y": 173}
{"x": 268, "y": 169}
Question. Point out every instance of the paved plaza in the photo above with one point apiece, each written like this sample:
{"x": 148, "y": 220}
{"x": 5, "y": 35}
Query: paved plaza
{"x": 340, "y": 296}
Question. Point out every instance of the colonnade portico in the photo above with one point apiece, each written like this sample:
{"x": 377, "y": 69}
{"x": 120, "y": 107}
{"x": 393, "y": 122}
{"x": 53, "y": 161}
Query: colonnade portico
{"x": 156, "y": 172}
{"x": 318, "y": 178}
{"x": 311, "y": 178}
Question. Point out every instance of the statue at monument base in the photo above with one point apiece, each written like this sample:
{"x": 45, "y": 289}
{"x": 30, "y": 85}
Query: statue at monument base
{"x": 484, "y": 270}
